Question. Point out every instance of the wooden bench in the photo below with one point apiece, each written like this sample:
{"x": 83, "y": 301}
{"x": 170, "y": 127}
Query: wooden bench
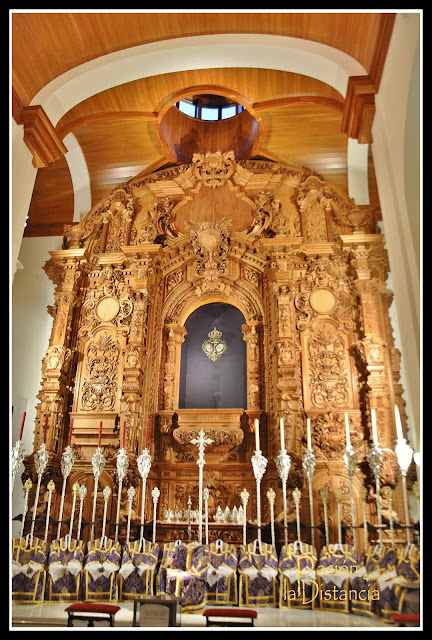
{"x": 91, "y": 612}
{"x": 243, "y": 617}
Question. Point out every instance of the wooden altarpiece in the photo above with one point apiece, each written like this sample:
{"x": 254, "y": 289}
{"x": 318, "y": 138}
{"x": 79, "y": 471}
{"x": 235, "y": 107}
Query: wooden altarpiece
{"x": 308, "y": 270}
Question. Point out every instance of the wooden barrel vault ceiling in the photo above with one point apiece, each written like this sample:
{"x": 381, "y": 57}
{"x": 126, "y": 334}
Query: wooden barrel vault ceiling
{"x": 300, "y": 120}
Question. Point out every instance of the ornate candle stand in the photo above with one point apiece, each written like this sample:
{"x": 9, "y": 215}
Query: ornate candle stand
{"x": 27, "y": 487}
{"x": 309, "y": 468}
{"x": 271, "y": 495}
{"x": 41, "y": 461}
{"x": 106, "y": 494}
{"x": 98, "y": 463}
{"x": 50, "y": 487}
{"x": 206, "y": 495}
{"x": 75, "y": 490}
{"x": 324, "y": 495}
{"x": 374, "y": 460}
{"x": 66, "y": 464}
{"x": 259, "y": 464}
{"x": 122, "y": 467}
{"x": 350, "y": 459}
{"x": 404, "y": 455}
{"x": 363, "y": 496}
{"x": 338, "y": 495}
{"x": 130, "y": 495}
{"x": 17, "y": 458}
{"x": 297, "y": 497}
{"x": 144, "y": 465}
{"x": 388, "y": 495}
{"x": 244, "y": 495}
{"x": 82, "y": 494}
{"x": 201, "y": 442}
{"x": 283, "y": 465}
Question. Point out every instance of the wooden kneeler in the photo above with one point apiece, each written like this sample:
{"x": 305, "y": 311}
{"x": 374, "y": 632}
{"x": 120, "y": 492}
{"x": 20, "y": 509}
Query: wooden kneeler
{"x": 91, "y": 612}
{"x": 244, "y": 617}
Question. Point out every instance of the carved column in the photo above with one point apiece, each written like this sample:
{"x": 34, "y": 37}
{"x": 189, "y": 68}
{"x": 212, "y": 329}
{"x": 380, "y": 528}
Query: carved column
{"x": 65, "y": 269}
{"x": 175, "y": 334}
{"x": 251, "y": 337}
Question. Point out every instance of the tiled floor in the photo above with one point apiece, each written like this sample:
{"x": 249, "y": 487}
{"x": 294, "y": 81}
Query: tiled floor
{"x": 52, "y": 615}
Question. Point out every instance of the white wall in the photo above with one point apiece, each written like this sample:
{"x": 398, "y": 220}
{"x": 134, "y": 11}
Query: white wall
{"x": 31, "y": 325}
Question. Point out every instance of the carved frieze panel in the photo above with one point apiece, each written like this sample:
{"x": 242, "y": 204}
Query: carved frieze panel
{"x": 101, "y": 373}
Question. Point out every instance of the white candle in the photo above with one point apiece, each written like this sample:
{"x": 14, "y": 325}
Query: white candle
{"x": 282, "y": 434}
{"x": 347, "y": 429}
{"x": 308, "y": 433}
{"x": 398, "y": 423}
{"x": 257, "y": 442}
{"x": 374, "y": 427}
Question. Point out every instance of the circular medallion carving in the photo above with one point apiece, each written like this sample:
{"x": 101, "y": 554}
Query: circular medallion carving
{"x": 107, "y": 309}
{"x": 322, "y": 300}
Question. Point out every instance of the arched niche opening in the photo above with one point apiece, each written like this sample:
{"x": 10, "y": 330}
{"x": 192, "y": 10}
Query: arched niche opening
{"x": 213, "y": 372}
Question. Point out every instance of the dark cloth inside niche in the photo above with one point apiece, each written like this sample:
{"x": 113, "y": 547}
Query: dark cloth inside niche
{"x": 207, "y": 384}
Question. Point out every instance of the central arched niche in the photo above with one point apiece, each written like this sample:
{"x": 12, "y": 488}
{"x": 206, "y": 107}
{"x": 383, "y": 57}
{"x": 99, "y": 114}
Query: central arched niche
{"x": 220, "y": 383}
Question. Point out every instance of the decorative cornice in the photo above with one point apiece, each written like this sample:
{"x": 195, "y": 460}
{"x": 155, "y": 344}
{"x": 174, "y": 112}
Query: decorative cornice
{"x": 40, "y": 136}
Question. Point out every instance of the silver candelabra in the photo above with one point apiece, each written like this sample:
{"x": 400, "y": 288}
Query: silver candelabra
{"x": 283, "y": 465}
{"x": 66, "y": 464}
{"x": 144, "y": 465}
{"x": 259, "y": 465}
{"x": 309, "y": 468}
{"x": 201, "y": 442}
{"x": 122, "y": 467}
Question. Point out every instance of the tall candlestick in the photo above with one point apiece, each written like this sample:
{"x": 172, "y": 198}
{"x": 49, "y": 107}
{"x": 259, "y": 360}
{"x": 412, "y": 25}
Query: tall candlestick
{"x": 22, "y": 426}
{"x": 257, "y": 440}
{"x": 308, "y": 433}
{"x": 70, "y": 432}
{"x": 282, "y": 434}
{"x": 398, "y": 423}
{"x": 123, "y": 435}
{"x": 374, "y": 427}
{"x": 100, "y": 434}
{"x": 347, "y": 429}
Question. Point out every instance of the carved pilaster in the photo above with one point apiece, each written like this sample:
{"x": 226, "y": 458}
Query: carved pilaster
{"x": 175, "y": 334}
{"x": 252, "y": 339}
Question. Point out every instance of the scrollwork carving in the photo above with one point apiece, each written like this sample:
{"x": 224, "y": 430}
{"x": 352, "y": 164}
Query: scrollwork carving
{"x": 102, "y": 361}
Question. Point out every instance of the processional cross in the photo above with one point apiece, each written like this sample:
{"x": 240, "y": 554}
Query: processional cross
{"x": 201, "y": 442}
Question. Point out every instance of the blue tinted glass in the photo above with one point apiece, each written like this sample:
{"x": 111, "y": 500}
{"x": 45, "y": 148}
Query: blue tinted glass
{"x": 209, "y": 113}
{"x": 188, "y": 108}
{"x": 228, "y": 112}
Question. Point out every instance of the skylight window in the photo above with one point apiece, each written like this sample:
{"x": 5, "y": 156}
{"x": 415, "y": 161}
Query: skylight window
{"x": 209, "y": 107}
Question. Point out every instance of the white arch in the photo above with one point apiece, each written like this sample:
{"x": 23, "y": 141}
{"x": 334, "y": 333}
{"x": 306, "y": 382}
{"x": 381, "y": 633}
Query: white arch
{"x": 294, "y": 55}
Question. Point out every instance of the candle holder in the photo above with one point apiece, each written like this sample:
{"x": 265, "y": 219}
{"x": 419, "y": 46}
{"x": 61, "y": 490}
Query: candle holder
{"x": 82, "y": 494}
{"x": 144, "y": 465}
{"x": 98, "y": 463}
{"x": 122, "y": 467}
{"x": 41, "y": 461}
{"x": 388, "y": 495}
{"x": 283, "y": 465}
{"x": 363, "y": 497}
{"x": 75, "y": 490}
{"x": 309, "y": 463}
{"x": 206, "y": 495}
{"x": 271, "y": 495}
{"x": 130, "y": 494}
{"x": 297, "y": 497}
{"x": 27, "y": 487}
{"x": 244, "y": 495}
{"x": 201, "y": 442}
{"x": 50, "y": 487}
{"x": 338, "y": 496}
{"x": 106, "y": 494}
{"x": 324, "y": 495}
{"x": 404, "y": 455}
{"x": 373, "y": 458}
{"x": 17, "y": 458}
{"x": 66, "y": 464}
{"x": 155, "y": 496}
{"x": 259, "y": 464}
{"x": 350, "y": 459}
